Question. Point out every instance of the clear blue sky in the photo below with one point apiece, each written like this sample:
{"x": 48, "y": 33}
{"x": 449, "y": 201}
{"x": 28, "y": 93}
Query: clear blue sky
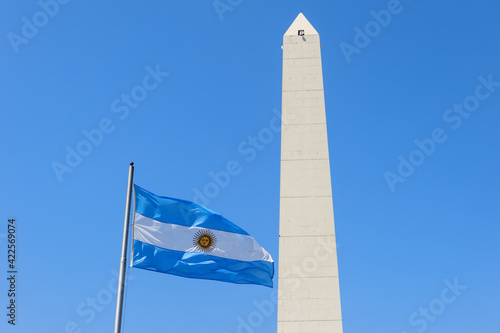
{"x": 401, "y": 233}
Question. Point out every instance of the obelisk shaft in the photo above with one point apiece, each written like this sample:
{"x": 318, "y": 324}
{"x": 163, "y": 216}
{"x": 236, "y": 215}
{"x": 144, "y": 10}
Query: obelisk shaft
{"x": 309, "y": 295}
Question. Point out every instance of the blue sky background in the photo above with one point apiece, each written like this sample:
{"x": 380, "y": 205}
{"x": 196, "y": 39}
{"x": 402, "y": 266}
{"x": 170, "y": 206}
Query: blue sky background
{"x": 396, "y": 244}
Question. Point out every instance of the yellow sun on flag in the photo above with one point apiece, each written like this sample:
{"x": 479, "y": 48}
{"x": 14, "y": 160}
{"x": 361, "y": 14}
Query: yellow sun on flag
{"x": 204, "y": 241}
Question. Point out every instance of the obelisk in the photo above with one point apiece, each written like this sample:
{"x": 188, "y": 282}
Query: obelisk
{"x": 308, "y": 280}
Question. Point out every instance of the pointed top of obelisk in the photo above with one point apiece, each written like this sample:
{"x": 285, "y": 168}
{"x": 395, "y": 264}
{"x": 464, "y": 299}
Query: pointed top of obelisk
{"x": 301, "y": 24}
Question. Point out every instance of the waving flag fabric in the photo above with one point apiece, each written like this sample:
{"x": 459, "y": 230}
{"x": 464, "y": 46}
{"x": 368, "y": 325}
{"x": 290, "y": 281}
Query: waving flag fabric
{"x": 183, "y": 238}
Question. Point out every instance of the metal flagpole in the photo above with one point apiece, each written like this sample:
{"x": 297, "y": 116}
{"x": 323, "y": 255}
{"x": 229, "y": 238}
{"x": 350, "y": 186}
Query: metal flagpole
{"x": 123, "y": 261}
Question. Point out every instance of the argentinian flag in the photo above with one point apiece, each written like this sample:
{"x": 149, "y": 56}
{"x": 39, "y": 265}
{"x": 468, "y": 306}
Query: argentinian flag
{"x": 183, "y": 238}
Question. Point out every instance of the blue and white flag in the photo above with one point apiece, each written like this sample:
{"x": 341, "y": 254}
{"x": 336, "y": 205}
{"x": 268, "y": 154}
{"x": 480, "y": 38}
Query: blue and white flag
{"x": 183, "y": 238}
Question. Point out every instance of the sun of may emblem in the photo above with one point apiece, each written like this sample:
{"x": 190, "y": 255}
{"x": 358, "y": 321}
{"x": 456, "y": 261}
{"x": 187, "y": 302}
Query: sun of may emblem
{"x": 204, "y": 240}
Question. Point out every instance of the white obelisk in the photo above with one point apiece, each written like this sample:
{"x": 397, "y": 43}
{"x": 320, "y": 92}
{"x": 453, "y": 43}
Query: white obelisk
{"x": 309, "y": 295}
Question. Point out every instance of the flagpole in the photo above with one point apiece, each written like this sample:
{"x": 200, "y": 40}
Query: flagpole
{"x": 123, "y": 261}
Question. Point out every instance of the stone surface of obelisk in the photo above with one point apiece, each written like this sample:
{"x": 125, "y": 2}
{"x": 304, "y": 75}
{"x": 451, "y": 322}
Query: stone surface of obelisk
{"x": 308, "y": 281}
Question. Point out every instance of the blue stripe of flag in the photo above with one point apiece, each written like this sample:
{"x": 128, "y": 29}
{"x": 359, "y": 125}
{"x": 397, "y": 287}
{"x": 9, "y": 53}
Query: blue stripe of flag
{"x": 182, "y": 212}
{"x": 209, "y": 267}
